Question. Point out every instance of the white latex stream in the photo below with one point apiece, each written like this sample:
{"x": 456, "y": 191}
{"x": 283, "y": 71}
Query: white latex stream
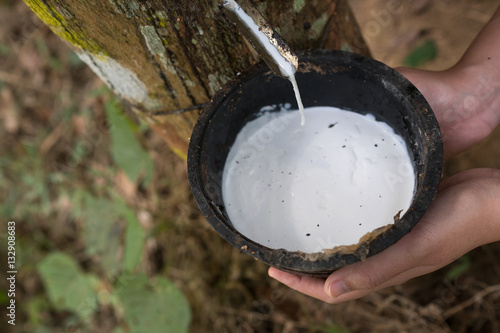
{"x": 286, "y": 68}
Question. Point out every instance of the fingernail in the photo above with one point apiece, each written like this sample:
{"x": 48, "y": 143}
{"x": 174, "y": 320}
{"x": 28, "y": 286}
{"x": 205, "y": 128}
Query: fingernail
{"x": 337, "y": 288}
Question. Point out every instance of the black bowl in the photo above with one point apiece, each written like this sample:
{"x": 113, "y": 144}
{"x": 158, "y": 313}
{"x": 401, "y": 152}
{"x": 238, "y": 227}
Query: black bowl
{"x": 326, "y": 78}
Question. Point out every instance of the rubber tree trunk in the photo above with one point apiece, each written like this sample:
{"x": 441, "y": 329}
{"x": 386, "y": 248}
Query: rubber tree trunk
{"x": 167, "y": 58}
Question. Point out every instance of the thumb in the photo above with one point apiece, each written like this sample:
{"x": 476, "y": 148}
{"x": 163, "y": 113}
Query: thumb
{"x": 395, "y": 265}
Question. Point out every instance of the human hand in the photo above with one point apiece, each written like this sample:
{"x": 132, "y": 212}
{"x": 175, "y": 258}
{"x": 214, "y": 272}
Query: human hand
{"x": 464, "y": 215}
{"x": 466, "y": 97}
{"x": 466, "y": 103}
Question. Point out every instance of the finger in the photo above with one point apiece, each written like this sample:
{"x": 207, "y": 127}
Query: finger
{"x": 397, "y": 280}
{"x": 468, "y": 175}
{"x": 380, "y": 270}
{"x": 313, "y": 287}
{"x": 316, "y": 287}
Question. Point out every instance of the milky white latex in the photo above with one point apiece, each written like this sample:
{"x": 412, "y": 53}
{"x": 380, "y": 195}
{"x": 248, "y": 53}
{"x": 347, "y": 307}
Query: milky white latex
{"x": 314, "y": 187}
{"x": 286, "y": 68}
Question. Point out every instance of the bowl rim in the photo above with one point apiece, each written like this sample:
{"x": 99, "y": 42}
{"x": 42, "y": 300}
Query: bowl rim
{"x": 320, "y": 264}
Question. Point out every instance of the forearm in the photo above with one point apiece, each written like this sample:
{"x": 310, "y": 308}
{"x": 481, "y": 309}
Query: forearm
{"x": 480, "y": 68}
{"x": 484, "y": 50}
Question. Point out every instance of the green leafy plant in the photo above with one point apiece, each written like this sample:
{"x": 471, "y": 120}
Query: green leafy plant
{"x": 151, "y": 307}
{"x": 422, "y": 54}
{"x": 106, "y": 223}
{"x": 134, "y": 241}
{"x": 4, "y": 49}
{"x": 461, "y": 266}
{"x": 125, "y": 149}
{"x": 67, "y": 287}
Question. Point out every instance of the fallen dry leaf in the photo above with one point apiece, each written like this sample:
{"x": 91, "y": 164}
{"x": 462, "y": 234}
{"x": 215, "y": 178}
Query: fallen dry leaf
{"x": 125, "y": 186}
{"x": 8, "y": 111}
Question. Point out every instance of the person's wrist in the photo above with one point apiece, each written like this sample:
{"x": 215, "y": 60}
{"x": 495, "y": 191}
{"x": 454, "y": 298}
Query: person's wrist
{"x": 478, "y": 84}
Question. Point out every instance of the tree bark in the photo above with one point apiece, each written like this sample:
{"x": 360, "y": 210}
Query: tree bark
{"x": 167, "y": 58}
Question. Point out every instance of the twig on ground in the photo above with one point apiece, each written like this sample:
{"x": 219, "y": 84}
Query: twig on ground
{"x": 471, "y": 301}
